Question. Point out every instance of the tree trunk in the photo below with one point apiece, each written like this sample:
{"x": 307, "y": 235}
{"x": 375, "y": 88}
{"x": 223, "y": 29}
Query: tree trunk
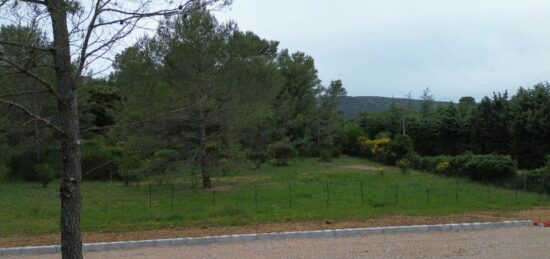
{"x": 71, "y": 241}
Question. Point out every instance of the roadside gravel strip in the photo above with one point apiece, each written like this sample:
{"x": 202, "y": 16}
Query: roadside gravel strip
{"x": 514, "y": 242}
{"x": 453, "y": 240}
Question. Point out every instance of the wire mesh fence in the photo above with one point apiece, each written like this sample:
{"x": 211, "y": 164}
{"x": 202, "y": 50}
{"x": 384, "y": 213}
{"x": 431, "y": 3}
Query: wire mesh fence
{"x": 241, "y": 200}
{"x": 327, "y": 194}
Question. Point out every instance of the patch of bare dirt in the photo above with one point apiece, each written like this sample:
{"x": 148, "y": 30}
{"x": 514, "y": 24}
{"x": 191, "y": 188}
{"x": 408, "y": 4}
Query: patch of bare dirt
{"x": 91, "y": 237}
{"x": 225, "y": 184}
{"x": 235, "y": 179}
{"x": 362, "y": 167}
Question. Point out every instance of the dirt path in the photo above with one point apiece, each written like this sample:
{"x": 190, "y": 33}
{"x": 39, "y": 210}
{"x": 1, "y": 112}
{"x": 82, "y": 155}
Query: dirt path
{"x": 90, "y": 237}
{"x": 524, "y": 242}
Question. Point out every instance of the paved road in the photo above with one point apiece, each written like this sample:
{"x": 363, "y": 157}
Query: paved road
{"x": 523, "y": 242}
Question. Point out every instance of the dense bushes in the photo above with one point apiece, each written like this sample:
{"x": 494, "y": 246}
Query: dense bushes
{"x": 348, "y": 136}
{"x": 484, "y": 168}
{"x": 45, "y": 173}
{"x": 516, "y": 126}
{"x": 326, "y": 154}
{"x": 403, "y": 164}
{"x": 99, "y": 160}
{"x": 281, "y": 151}
{"x": 26, "y": 164}
{"x": 4, "y": 170}
{"x": 385, "y": 149}
{"x": 536, "y": 180}
{"x": 487, "y": 167}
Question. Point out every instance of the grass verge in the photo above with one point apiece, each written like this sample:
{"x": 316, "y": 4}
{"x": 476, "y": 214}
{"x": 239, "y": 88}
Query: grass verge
{"x": 307, "y": 190}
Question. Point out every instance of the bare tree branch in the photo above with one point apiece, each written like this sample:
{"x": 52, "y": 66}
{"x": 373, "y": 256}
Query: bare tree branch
{"x": 32, "y": 75}
{"x": 35, "y": 116}
{"x": 35, "y": 2}
{"x": 23, "y": 93}
{"x": 135, "y": 123}
{"x": 14, "y": 44}
{"x": 86, "y": 41}
{"x": 127, "y": 17}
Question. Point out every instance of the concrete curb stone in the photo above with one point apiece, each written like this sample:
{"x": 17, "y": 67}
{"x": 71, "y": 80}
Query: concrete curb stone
{"x": 189, "y": 241}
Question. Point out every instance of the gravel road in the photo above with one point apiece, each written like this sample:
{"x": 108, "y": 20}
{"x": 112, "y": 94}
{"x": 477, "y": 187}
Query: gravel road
{"x": 523, "y": 242}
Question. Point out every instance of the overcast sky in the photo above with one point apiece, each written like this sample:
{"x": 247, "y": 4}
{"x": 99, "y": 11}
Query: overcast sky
{"x": 393, "y": 47}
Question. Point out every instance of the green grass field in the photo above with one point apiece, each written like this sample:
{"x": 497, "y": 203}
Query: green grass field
{"x": 273, "y": 194}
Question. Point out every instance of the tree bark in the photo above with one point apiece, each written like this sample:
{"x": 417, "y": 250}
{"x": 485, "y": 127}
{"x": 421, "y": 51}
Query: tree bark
{"x": 71, "y": 241}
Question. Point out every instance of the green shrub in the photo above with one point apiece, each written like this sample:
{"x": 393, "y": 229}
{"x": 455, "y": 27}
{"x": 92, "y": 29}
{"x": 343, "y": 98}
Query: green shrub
{"x": 400, "y": 146}
{"x": 99, "y": 160}
{"x": 23, "y": 164}
{"x": 22, "y": 167}
{"x": 483, "y": 168}
{"x": 282, "y": 151}
{"x": 44, "y": 173}
{"x": 326, "y": 154}
{"x": 403, "y": 164}
{"x": 4, "y": 171}
{"x": 535, "y": 180}
{"x": 258, "y": 157}
{"x": 429, "y": 163}
{"x": 486, "y": 168}
{"x": 130, "y": 168}
{"x": 348, "y": 136}
{"x": 383, "y": 134}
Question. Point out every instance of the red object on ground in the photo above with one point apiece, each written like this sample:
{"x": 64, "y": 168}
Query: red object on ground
{"x": 544, "y": 223}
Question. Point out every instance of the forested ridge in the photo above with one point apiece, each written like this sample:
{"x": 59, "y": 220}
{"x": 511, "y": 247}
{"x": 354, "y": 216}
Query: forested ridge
{"x": 201, "y": 96}
{"x": 351, "y": 106}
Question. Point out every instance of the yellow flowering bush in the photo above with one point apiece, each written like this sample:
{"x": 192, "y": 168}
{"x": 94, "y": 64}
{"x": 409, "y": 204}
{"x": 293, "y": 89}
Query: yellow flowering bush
{"x": 379, "y": 146}
{"x": 403, "y": 164}
{"x": 442, "y": 166}
{"x": 374, "y": 146}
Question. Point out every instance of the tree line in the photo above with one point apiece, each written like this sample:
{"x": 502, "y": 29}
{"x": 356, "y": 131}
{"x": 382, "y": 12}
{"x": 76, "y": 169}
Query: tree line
{"x": 517, "y": 126}
{"x": 196, "y": 96}
{"x": 200, "y": 95}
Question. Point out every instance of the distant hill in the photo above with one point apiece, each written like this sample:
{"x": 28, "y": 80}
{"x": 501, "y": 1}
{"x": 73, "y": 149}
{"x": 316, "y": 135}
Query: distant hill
{"x": 353, "y": 105}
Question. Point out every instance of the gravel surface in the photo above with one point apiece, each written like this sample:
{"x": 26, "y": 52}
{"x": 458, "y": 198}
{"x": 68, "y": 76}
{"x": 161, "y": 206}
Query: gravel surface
{"x": 523, "y": 242}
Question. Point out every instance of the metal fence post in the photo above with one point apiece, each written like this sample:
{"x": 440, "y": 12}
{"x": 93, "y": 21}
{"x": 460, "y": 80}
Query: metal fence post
{"x": 362, "y": 195}
{"x": 289, "y": 196}
{"x": 516, "y": 193}
{"x": 456, "y": 191}
{"x": 396, "y": 192}
{"x": 428, "y": 195}
{"x": 213, "y": 193}
{"x": 541, "y": 188}
{"x": 488, "y": 193}
{"x": 172, "y": 199}
{"x": 524, "y": 182}
{"x": 256, "y": 196}
{"x": 328, "y": 196}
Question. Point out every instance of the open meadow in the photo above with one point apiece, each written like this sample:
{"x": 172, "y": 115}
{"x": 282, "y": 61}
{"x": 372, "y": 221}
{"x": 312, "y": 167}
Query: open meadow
{"x": 347, "y": 189}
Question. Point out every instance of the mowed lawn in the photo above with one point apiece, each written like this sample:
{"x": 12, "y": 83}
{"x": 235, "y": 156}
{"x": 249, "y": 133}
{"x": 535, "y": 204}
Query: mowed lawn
{"x": 297, "y": 192}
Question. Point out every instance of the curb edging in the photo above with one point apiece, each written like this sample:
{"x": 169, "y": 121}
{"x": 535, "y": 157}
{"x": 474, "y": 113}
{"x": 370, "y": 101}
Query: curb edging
{"x": 222, "y": 239}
